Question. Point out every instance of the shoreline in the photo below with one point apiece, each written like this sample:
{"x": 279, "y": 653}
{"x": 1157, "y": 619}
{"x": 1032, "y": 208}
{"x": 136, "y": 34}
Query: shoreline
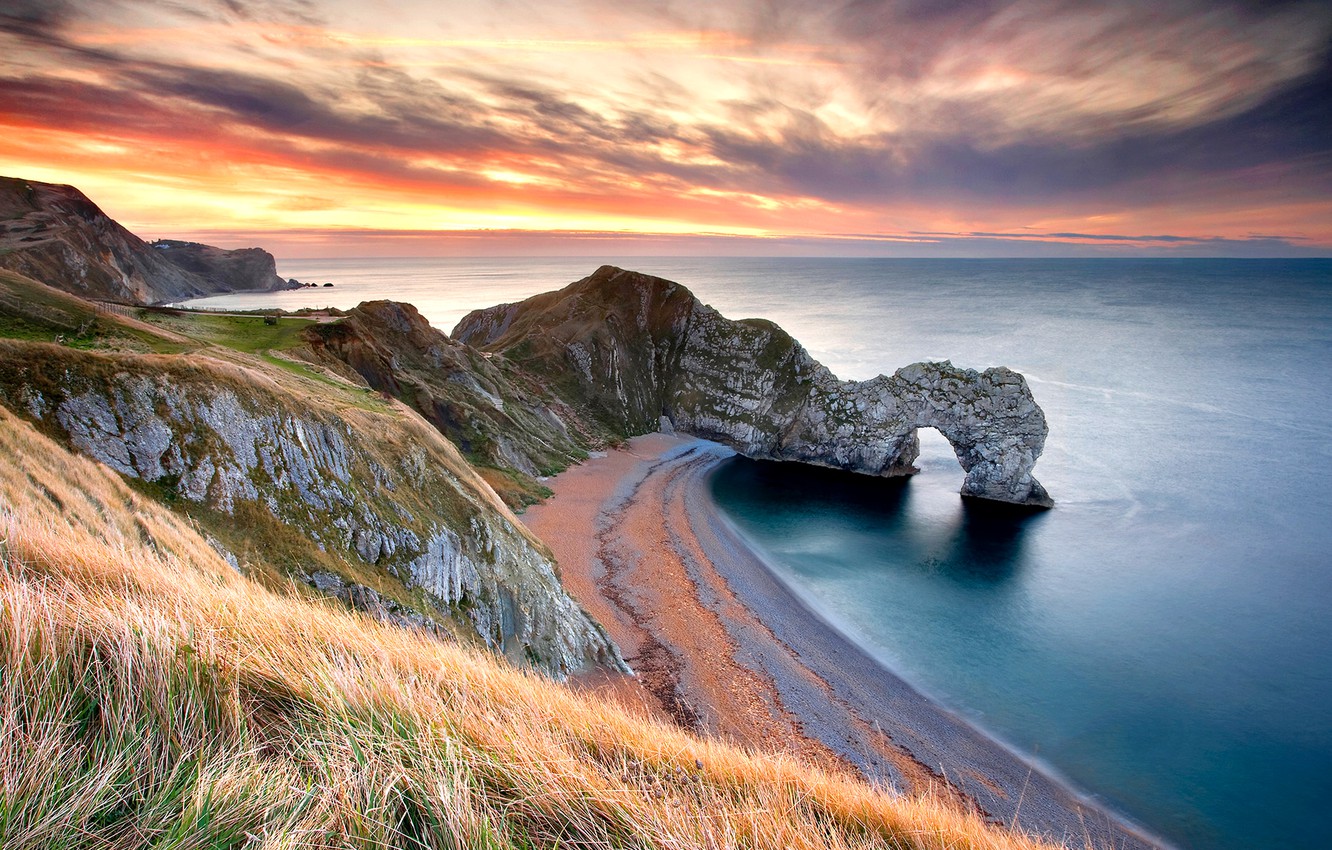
{"x": 721, "y": 644}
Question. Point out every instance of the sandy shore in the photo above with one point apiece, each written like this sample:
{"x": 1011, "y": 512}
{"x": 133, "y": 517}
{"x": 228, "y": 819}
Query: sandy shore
{"x": 721, "y": 645}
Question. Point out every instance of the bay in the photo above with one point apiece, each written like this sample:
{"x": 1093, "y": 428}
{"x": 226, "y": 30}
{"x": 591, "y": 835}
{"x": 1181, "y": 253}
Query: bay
{"x": 1161, "y": 637}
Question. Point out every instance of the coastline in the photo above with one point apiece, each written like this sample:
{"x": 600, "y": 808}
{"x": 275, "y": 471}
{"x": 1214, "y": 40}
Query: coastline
{"x": 721, "y": 644}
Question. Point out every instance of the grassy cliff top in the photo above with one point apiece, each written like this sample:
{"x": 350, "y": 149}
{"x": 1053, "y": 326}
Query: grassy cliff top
{"x": 34, "y": 312}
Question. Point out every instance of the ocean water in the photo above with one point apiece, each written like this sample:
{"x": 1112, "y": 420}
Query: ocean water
{"x": 1162, "y": 638}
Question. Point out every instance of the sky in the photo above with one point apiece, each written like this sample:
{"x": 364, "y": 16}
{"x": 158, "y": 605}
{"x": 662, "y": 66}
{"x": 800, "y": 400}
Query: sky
{"x": 746, "y": 127}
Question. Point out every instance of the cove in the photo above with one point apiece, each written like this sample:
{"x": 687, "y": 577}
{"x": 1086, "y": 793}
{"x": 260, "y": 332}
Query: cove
{"x": 966, "y": 600}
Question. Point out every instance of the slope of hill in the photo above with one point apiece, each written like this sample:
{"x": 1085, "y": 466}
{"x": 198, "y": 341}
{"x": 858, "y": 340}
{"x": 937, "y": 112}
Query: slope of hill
{"x": 507, "y": 424}
{"x": 629, "y": 350}
{"x": 298, "y": 474}
{"x": 152, "y": 696}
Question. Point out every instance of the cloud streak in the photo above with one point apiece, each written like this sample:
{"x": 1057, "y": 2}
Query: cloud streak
{"x": 774, "y": 118}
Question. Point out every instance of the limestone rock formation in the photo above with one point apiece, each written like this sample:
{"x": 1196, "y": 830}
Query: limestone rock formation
{"x": 624, "y": 349}
{"x": 56, "y": 235}
{"x": 347, "y": 491}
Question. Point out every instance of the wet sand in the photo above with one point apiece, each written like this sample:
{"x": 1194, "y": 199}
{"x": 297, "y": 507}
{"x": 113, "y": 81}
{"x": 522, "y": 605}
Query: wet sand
{"x": 721, "y": 645}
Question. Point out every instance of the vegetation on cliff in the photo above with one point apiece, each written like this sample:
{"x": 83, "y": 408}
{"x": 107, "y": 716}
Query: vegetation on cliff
{"x": 172, "y": 670}
{"x": 627, "y": 350}
{"x": 296, "y": 473}
{"x": 150, "y": 695}
{"x": 505, "y": 422}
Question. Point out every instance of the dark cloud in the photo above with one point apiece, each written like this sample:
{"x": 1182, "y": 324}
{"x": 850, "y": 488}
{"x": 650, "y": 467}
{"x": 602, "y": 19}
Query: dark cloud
{"x": 1291, "y": 129}
{"x": 41, "y": 15}
{"x": 79, "y": 106}
{"x": 423, "y": 116}
{"x": 253, "y": 11}
{"x": 37, "y": 25}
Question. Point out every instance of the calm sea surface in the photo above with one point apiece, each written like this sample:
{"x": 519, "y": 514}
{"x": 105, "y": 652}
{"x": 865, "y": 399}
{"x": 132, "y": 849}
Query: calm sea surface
{"x": 1163, "y": 636}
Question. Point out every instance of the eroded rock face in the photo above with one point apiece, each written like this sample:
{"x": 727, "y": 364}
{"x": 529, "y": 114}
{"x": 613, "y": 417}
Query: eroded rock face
{"x": 352, "y": 487}
{"x": 625, "y": 349}
{"x": 994, "y": 425}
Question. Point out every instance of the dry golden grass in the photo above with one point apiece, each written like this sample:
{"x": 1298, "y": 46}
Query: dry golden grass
{"x": 151, "y": 696}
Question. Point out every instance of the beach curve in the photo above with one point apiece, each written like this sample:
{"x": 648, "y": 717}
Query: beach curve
{"x": 721, "y": 644}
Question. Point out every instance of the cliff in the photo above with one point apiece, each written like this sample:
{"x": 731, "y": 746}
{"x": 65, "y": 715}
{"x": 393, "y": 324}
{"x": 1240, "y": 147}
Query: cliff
{"x": 504, "y": 422}
{"x": 628, "y": 350}
{"x": 235, "y": 270}
{"x": 298, "y": 475}
{"x": 56, "y": 235}
{"x": 152, "y": 696}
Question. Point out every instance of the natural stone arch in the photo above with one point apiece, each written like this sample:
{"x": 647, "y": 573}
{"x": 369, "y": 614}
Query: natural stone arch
{"x": 995, "y": 427}
{"x": 790, "y": 407}
{"x": 627, "y": 350}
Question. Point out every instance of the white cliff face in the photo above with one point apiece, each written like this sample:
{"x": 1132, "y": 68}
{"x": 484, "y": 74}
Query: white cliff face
{"x": 365, "y": 487}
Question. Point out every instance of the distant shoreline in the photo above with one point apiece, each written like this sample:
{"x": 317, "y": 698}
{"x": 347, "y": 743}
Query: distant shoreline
{"x": 722, "y": 644}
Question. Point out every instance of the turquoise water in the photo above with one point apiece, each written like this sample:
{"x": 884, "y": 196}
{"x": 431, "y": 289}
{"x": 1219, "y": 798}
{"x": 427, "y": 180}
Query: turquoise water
{"x": 1162, "y": 636}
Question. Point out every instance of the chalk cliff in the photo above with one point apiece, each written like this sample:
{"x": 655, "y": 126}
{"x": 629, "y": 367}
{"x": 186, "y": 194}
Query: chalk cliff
{"x": 56, "y": 235}
{"x": 624, "y": 350}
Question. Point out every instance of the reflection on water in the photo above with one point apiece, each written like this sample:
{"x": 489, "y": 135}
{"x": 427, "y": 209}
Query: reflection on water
{"x": 977, "y": 542}
{"x": 783, "y": 486}
{"x": 987, "y": 545}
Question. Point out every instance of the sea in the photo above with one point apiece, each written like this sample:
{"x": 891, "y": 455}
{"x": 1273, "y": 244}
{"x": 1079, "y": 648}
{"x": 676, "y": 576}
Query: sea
{"x": 1161, "y": 638}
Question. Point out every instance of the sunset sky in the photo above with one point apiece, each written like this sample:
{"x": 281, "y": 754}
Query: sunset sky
{"x": 873, "y": 127}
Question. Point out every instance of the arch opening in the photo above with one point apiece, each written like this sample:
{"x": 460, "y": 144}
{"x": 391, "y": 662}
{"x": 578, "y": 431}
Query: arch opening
{"x": 936, "y": 455}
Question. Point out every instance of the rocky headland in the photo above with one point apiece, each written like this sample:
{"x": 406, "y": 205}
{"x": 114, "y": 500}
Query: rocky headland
{"x": 526, "y": 389}
{"x": 57, "y": 235}
{"x": 630, "y": 351}
{"x": 235, "y": 270}
{"x": 375, "y": 459}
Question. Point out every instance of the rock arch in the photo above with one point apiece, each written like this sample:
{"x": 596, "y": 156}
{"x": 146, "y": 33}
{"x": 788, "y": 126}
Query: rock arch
{"x": 767, "y": 398}
{"x": 995, "y": 427}
{"x": 990, "y": 418}
{"x": 625, "y": 349}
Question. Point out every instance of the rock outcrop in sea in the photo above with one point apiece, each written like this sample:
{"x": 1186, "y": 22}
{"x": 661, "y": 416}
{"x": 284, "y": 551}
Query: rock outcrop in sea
{"x": 626, "y": 350}
{"x": 55, "y": 234}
